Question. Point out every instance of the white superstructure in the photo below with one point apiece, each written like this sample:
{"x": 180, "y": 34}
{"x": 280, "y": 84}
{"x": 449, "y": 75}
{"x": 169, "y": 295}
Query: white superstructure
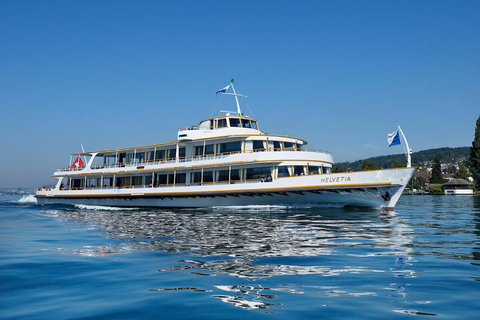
{"x": 225, "y": 160}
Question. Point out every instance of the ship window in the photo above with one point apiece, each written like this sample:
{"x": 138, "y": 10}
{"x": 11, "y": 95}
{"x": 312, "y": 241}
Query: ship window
{"x": 181, "y": 178}
{"x": 222, "y": 123}
{"x": 208, "y": 176}
{"x": 124, "y": 182}
{"x": 107, "y": 182}
{"x": 148, "y": 180}
{"x": 298, "y": 146}
{"x": 171, "y": 178}
{"x": 91, "y": 182}
{"x": 181, "y": 152}
{"x": 140, "y": 156}
{"x": 298, "y": 170}
{"x": 172, "y": 153}
{"x": 230, "y": 147}
{"x": 223, "y": 175}
{"x": 235, "y": 175}
{"x": 196, "y": 177}
{"x": 121, "y": 157}
{"x": 162, "y": 179}
{"x": 210, "y": 149}
{"x": 137, "y": 181}
{"x": 326, "y": 169}
{"x": 277, "y": 146}
{"x": 258, "y": 173}
{"x": 234, "y": 122}
{"x": 109, "y": 159}
{"x": 160, "y": 155}
{"x": 283, "y": 171}
{"x": 288, "y": 146}
{"x": 254, "y": 125}
{"x": 258, "y": 145}
{"x": 313, "y": 170}
{"x": 77, "y": 183}
{"x": 246, "y": 123}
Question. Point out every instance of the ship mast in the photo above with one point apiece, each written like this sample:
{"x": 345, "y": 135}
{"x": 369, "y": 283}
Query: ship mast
{"x": 239, "y": 111}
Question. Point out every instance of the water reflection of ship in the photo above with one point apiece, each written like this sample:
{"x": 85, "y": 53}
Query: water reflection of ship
{"x": 222, "y": 241}
{"x": 256, "y": 232}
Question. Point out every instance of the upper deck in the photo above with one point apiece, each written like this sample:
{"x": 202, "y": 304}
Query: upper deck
{"x": 214, "y": 140}
{"x": 220, "y": 126}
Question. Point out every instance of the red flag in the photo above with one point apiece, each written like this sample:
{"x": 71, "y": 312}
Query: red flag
{"x": 78, "y": 163}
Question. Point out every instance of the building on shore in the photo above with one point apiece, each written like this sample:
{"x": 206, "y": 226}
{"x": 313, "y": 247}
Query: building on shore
{"x": 458, "y": 187}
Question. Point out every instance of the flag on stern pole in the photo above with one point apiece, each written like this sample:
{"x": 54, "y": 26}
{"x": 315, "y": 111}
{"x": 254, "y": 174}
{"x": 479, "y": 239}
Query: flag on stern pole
{"x": 223, "y": 90}
{"x": 78, "y": 163}
{"x": 393, "y": 138}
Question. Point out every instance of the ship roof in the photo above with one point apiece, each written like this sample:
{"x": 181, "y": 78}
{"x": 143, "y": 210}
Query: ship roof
{"x": 177, "y": 141}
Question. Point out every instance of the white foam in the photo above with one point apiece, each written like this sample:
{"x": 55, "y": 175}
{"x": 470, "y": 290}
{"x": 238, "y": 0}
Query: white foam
{"x": 30, "y": 198}
{"x": 98, "y": 208}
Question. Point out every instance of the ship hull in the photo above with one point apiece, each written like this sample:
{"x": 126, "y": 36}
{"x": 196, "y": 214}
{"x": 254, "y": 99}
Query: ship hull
{"x": 377, "y": 189}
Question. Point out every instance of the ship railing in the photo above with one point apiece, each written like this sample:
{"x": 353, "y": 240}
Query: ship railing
{"x": 177, "y": 184}
{"x": 218, "y": 156}
{"x": 194, "y": 128}
{"x": 62, "y": 169}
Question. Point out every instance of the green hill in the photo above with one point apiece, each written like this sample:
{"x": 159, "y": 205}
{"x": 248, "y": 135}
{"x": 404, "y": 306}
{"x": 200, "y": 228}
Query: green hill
{"x": 421, "y": 158}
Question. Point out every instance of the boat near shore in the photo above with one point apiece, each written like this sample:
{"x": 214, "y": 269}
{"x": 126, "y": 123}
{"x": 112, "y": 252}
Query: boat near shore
{"x": 224, "y": 161}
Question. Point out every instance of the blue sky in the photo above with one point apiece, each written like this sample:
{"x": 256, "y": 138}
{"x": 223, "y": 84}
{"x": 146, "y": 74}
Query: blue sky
{"x": 340, "y": 74}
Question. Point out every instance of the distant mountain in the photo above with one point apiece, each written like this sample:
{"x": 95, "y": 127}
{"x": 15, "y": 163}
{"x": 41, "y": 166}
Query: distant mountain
{"x": 456, "y": 156}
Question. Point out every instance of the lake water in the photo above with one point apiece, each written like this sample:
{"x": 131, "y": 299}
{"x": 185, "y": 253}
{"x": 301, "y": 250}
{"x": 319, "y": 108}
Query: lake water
{"x": 61, "y": 262}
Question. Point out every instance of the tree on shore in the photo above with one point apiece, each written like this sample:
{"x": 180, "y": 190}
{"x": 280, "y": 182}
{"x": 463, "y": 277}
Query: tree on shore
{"x": 462, "y": 173}
{"x": 369, "y": 165}
{"x": 475, "y": 155}
{"x": 436, "y": 176}
{"x": 398, "y": 164}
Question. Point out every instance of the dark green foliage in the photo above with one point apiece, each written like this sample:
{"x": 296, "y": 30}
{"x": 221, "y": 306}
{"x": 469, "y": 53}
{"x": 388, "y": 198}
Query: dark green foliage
{"x": 475, "y": 155}
{"x": 447, "y": 155}
{"x": 436, "y": 190}
{"x": 398, "y": 164}
{"x": 462, "y": 173}
{"x": 436, "y": 176}
{"x": 369, "y": 165}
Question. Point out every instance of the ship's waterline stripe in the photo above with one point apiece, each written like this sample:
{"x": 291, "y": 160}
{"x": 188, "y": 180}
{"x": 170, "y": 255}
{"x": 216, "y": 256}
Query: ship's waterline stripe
{"x": 226, "y": 192}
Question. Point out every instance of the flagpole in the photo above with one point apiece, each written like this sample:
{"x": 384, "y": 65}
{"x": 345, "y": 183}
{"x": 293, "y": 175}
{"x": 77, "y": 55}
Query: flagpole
{"x": 409, "y": 151}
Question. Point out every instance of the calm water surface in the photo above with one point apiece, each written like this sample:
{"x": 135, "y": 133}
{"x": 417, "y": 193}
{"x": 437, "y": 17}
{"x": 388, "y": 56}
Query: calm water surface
{"x": 61, "y": 262}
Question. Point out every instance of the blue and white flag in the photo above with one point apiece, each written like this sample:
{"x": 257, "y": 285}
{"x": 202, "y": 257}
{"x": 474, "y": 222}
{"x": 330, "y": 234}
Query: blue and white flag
{"x": 393, "y": 138}
{"x": 223, "y": 90}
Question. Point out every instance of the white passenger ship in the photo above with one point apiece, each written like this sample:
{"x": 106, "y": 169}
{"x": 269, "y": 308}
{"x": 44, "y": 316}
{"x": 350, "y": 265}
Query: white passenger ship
{"x": 224, "y": 161}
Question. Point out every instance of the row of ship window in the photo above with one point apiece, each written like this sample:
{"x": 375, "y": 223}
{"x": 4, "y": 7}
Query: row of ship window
{"x": 209, "y": 149}
{"x": 234, "y": 123}
{"x": 262, "y": 174}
